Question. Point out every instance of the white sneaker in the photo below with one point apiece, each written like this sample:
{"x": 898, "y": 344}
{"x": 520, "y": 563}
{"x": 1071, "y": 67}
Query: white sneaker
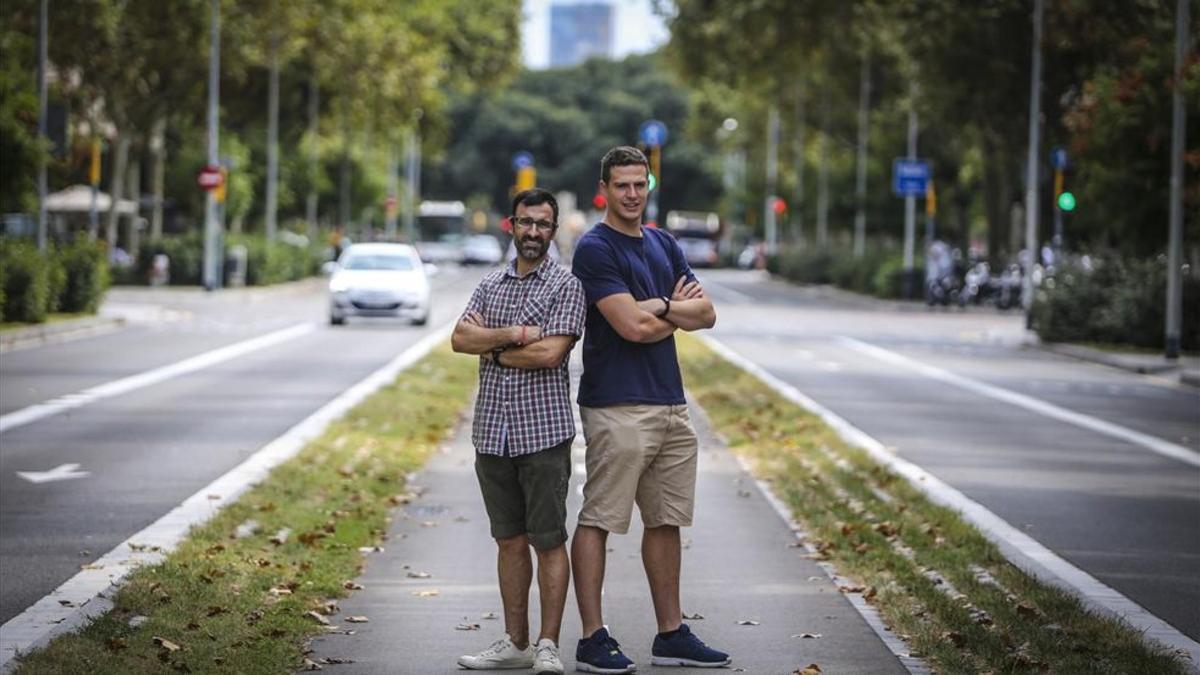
{"x": 546, "y": 659}
{"x": 501, "y": 654}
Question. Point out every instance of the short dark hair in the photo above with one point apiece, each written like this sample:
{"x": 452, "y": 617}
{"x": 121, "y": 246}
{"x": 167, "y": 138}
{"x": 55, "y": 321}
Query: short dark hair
{"x": 622, "y": 155}
{"x": 533, "y": 197}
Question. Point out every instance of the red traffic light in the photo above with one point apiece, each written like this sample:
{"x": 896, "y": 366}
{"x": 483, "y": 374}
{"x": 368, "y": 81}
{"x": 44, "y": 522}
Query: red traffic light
{"x": 506, "y": 224}
{"x": 599, "y": 201}
{"x": 779, "y": 206}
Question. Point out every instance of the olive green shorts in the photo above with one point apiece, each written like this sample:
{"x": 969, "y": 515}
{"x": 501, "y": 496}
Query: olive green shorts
{"x": 527, "y": 494}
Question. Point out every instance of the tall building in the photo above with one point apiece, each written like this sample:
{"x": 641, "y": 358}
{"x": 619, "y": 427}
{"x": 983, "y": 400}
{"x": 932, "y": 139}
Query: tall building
{"x": 580, "y": 31}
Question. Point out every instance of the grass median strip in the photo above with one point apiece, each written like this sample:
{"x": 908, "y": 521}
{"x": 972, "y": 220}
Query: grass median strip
{"x": 244, "y": 591}
{"x": 936, "y": 580}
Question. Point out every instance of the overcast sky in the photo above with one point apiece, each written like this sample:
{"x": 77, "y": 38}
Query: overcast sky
{"x": 638, "y": 29}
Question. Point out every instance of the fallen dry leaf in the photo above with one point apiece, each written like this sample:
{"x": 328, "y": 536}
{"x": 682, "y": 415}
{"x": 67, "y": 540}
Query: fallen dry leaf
{"x": 280, "y": 538}
{"x": 419, "y": 575}
{"x": 1027, "y": 610}
{"x": 426, "y": 594}
{"x": 955, "y": 637}
{"x": 318, "y": 616}
{"x": 851, "y": 589}
{"x": 467, "y": 626}
{"x": 309, "y": 664}
{"x": 810, "y": 669}
{"x": 166, "y": 644}
{"x": 406, "y": 498}
{"x": 747, "y": 622}
{"x": 352, "y": 586}
{"x": 488, "y": 615}
{"x": 117, "y": 644}
{"x": 280, "y": 590}
{"x": 357, "y": 619}
{"x": 808, "y": 636}
{"x": 870, "y": 593}
{"x": 694, "y": 616}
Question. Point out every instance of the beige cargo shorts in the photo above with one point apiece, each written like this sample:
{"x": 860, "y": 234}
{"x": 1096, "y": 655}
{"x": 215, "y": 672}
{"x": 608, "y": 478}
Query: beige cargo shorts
{"x": 644, "y": 454}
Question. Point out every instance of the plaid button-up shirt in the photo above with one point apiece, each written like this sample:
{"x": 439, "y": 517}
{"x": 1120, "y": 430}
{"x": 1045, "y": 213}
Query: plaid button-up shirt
{"x": 529, "y": 410}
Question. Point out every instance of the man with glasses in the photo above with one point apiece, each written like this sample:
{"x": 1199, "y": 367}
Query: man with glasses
{"x": 522, "y": 321}
{"x": 641, "y": 447}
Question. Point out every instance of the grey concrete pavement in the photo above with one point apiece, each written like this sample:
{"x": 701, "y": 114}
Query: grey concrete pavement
{"x": 737, "y": 565}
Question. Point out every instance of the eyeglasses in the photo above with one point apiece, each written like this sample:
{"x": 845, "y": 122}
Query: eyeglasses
{"x": 525, "y": 222}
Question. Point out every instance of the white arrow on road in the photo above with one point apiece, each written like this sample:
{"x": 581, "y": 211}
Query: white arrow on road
{"x": 60, "y": 472}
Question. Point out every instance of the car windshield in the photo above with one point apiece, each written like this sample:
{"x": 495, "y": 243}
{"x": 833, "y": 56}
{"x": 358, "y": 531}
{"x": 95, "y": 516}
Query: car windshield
{"x": 378, "y": 262}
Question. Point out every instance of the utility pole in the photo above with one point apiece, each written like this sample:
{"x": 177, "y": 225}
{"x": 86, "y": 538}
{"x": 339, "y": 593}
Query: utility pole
{"x": 770, "y": 230}
{"x": 823, "y": 171}
{"x": 43, "y": 31}
{"x": 1178, "y": 126}
{"x": 211, "y": 208}
{"x": 393, "y": 187}
{"x": 1031, "y": 175}
{"x": 910, "y": 201}
{"x": 864, "y": 130}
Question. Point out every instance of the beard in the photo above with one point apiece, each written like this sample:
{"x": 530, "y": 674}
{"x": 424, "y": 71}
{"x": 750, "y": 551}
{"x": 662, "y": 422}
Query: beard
{"x": 531, "y": 248}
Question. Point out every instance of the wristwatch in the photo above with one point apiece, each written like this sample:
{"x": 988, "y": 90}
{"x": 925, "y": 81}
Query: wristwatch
{"x": 496, "y": 356}
{"x": 666, "y": 307}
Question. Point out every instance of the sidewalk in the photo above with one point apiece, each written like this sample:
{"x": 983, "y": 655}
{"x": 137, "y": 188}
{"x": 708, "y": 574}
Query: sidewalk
{"x": 738, "y": 565}
{"x": 1185, "y": 368}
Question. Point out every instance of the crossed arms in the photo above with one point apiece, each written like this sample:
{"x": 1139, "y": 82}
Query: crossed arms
{"x": 638, "y": 320}
{"x": 524, "y": 346}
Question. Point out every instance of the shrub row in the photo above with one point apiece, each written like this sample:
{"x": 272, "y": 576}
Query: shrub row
{"x": 65, "y": 278}
{"x": 879, "y": 272}
{"x": 1114, "y": 300}
{"x": 266, "y": 262}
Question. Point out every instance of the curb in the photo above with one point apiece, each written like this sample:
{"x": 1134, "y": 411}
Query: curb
{"x": 61, "y": 331}
{"x": 1144, "y": 365}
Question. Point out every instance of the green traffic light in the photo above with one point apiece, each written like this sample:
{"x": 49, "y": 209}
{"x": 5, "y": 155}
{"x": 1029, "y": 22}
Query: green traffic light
{"x": 653, "y": 183}
{"x": 1066, "y": 201}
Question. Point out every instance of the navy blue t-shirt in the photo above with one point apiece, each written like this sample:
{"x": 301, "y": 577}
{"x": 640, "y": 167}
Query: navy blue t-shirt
{"x": 615, "y": 370}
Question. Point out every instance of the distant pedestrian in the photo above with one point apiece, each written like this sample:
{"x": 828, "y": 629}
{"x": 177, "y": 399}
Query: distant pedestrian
{"x": 522, "y": 320}
{"x": 641, "y": 447}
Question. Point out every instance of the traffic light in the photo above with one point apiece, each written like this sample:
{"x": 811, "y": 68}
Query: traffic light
{"x": 599, "y": 202}
{"x": 1066, "y": 201}
{"x": 778, "y": 206}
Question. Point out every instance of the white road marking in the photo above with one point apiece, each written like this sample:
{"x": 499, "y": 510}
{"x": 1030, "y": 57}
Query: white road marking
{"x": 1152, "y": 443}
{"x": 125, "y": 385}
{"x": 60, "y": 472}
{"x": 1017, "y": 546}
{"x": 86, "y": 593}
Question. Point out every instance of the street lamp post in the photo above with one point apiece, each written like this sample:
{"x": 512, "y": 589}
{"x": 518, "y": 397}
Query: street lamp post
{"x": 1031, "y": 175}
{"x": 43, "y": 21}
{"x": 211, "y": 207}
{"x": 1178, "y": 120}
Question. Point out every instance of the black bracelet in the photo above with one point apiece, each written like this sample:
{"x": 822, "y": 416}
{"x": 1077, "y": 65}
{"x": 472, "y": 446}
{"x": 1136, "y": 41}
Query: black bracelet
{"x": 666, "y": 306}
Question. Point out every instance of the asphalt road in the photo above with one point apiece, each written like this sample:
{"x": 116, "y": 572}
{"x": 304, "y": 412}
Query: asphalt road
{"x": 1117, "y": 510}
{"x": 147, "y": 450}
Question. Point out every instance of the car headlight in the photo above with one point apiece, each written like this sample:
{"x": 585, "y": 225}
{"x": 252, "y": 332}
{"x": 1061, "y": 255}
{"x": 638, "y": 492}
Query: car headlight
{"x": 338, "y": 286}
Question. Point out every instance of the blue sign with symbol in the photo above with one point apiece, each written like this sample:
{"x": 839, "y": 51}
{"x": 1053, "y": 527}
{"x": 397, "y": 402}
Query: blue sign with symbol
{"x": 910, "y": 177}
{"x": 521, "y": 160}
{"x": 653, "y": 133}
{"x": 1058, "y": 158}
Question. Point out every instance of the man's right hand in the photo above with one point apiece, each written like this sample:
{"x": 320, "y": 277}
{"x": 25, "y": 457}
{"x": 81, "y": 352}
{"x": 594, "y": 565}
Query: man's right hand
{"x": 530, "y": 333}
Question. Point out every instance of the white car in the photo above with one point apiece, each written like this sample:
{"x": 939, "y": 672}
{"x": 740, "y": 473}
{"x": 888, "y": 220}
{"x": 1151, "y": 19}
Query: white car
{"x": 379, "y": 280}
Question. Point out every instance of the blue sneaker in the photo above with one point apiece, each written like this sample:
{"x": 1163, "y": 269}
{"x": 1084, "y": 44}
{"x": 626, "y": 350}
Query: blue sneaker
{"x": 682, "y": 648}
{"x": 601, "y": 654}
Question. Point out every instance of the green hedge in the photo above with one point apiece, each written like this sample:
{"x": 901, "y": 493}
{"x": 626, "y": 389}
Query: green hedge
{"x": 69, "y": 278}
{"x": 878, "y": 272}
{"x": 1116, "y": 301}
{"x": 266, "y": 262}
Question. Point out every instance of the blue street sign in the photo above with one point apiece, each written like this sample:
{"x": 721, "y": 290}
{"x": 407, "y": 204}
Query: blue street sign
{"x": 653, "y": 133}
{"x": 1058, "y": 158}
{"x": 910, "y": 177}
{"x": 521, "y": 160}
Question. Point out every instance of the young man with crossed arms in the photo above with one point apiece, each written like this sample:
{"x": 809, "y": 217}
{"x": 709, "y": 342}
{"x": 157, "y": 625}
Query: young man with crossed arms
{"x": 640, "y": 443}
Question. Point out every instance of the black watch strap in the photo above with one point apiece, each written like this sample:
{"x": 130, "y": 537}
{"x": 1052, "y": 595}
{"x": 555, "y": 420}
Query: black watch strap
{"x": 496, "y": 356}
{"x": 666, "y": 306}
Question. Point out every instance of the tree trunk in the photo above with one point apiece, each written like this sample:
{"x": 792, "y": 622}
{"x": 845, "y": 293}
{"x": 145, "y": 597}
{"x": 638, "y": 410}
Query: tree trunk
{"x": 798, "y": 146}
{"x": 159, "y": 150}
{"x": 823, "y": 173}
{"x": 310, "y": 206}
{"x": 272, "y": 141}
{"x": 997, "y": 200}
{"x": 116, "y": 188}
{"x": 133, "y": 238}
